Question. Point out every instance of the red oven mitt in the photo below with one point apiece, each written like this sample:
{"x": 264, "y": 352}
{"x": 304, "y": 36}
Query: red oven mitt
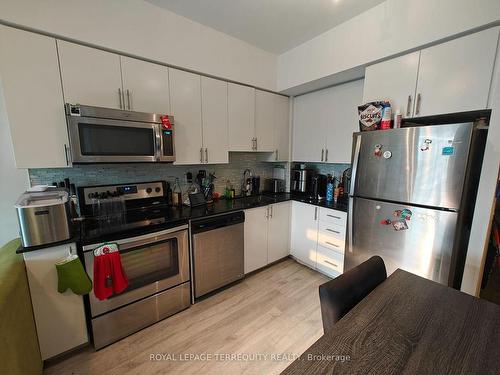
{"x": 109, "y": 277}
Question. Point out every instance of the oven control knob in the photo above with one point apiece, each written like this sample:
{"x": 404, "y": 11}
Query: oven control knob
{"x": 157, "y": 189}
{"x": 149, "y": 190}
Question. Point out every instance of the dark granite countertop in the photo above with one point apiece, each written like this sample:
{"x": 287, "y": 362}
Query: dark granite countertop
{"x": 177, "y": 216}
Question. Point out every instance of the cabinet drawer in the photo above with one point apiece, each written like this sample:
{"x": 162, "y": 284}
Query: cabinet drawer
{"x": 331, "y": 237}
{"x": 333, "y": 216}
{"x": 329, "y": 262}
{"x": 332, "y": 230}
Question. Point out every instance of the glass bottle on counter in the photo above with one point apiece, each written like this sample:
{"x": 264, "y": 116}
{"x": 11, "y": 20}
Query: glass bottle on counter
{"x": 330, "y": 186}
{"x": 177, "y": 193}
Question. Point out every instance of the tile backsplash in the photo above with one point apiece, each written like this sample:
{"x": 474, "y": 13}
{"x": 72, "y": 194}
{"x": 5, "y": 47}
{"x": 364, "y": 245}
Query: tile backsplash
{"x": 102, "y": 174}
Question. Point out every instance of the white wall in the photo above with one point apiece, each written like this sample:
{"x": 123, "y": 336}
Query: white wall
{"x": 13, "y": 181}
{"x": 391, "y": 28}
{"x": 483, "y": 212}
{"x": 143, "y": 29}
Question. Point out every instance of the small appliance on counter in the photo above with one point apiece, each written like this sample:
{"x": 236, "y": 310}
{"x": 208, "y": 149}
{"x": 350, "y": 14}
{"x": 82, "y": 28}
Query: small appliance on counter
{"x": 301, "y": 179}
{"x": 44, "y": 217}
{"x": 274, "y": 185}
{"x": 319, "y": 182}
{"x": 255, "y": 185}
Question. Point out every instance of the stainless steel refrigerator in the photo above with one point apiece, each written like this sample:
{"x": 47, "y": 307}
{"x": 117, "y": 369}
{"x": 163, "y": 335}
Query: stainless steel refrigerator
{"x": 412, "y": 197}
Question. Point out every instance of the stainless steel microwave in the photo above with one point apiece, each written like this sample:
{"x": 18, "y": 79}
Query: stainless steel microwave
{"x": 105, "y": 135}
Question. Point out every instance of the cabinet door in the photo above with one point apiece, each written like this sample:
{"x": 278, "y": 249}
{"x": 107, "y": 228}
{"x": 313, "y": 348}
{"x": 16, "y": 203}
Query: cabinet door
{"x": 304, "y": 231}
{"x": 264, "y": 120}
{"x": 241, "y": 111}
{"x": 282, "y": 128}
{"x": 59, "y": 317}
{"x": 393, "y": 80}
{"x": 145, "y": 86}
{"x": 309, "y": 123}
{"x": 33, "y": 97}
{"x": 344, "y": 101}
{"x": 456, "y": 76}
{"x": 214, "y": 119}
{"x": 185, "y": 91}
{"x": 255, "y": 238}
{"x": 278, "y": 240}
{"x": 90, "y": 76}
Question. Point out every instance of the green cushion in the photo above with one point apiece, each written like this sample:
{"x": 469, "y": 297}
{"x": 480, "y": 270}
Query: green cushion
{"x": 19, "y": 351}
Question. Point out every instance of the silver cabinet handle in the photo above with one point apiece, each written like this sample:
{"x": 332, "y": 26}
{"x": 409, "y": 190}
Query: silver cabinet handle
{"x": 206, "y": 155}
{"x": 326, "y": 155}
{"x": 333, "y": 231}
{"x": 408, "y": 106}
{"x": 331, "y": 244}
{"x": 120, "y": 98}
{"x": 66, "y": 154}
{"x": 128, "y": 99}
{"x": 322, "y": 154}
{"x": 419, "y": 101}
{"x": 315, "y": 213}
{"x": 201, "y": 155}
{"x": 276, "y": 154}
{"x": 267, "y": 212}
{"x": 256, "y": 144}
{"x": 330, "y": 263}
{"x": 335, "y": 217}
{"x": 271, "y": 209}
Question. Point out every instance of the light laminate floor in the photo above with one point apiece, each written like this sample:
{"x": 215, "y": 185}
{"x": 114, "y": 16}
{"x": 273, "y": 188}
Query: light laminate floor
{"x": 270, "y": 314}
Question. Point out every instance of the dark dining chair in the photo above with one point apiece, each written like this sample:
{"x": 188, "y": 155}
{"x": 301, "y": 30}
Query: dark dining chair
{"x": 340, "y": 295}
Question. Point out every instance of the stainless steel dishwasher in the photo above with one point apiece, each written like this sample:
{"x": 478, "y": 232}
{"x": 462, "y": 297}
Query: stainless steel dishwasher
{"x": 217, "y": 251}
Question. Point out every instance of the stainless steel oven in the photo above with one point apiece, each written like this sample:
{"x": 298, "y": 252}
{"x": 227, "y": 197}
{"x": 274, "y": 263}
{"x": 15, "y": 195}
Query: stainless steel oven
{"x": 157, "y": 268}
{"x": 105, "y": 135}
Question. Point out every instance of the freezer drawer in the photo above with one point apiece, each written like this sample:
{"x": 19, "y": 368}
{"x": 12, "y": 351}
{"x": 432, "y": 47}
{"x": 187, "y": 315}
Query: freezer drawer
{"x": 419, "y": 165}
{"x": 415, "y": 239}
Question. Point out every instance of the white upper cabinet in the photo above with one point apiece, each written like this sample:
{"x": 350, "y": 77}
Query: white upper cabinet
{"x": 450, "y": 77}
{"x": 309, "y": 123}
{"x": 31, "y": 85}
{"x": 185, "y": 91}
{"x": 324, "y": 122}
{"x": 214, "y": 119}
{"x": 455, "y": 76}
{"x": 241, "y": 112}
{"x": 278, "y": 231}
{"x": 264, "y": 120}
{"x": 145, "y": 86}
{"x": 90, "y": 76}
{"x": 344, "y": 101}
{"x": 394, "y": 80}
{"x": 282, "y": 128}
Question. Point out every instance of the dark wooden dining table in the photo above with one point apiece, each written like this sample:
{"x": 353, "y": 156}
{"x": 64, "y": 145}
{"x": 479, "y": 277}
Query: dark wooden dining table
{"x": 409, "y": 325}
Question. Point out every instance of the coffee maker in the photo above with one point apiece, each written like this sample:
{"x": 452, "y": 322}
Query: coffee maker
{"x": 301, "y": 179}
{"x": 319, "y": 182}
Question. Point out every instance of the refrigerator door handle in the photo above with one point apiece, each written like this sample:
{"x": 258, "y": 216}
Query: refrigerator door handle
{"x": 355, "y": 158}
{"x": 349, "y": 225}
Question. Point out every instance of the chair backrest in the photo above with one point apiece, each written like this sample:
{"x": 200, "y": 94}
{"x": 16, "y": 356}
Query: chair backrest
{"x": 340, "y": 295}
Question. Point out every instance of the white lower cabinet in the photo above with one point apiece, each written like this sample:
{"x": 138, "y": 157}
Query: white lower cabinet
{"x": 318, "y": 237}
{"x": 304, "y": 239}
{"x": 59, "y": 317}
{"x": 267, "y": 232}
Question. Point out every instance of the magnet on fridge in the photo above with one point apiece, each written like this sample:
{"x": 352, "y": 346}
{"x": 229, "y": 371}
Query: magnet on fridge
{"x": 378, "y": 150}
{"x": 387, "y": 154}
{"x": 425, "y": 146}
{"x": 400, "y": 225}
{"x": 385, "y": 221}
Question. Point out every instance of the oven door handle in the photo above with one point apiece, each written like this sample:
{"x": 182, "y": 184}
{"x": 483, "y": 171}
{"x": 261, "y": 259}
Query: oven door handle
{"x": 142, "y": 240}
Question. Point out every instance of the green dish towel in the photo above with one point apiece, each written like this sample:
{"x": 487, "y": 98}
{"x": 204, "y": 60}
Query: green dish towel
{"x": 71, "y": 275}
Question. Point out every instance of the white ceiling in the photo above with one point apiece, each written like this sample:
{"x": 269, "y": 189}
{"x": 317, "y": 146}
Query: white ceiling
{"x": 273, "y": 25}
